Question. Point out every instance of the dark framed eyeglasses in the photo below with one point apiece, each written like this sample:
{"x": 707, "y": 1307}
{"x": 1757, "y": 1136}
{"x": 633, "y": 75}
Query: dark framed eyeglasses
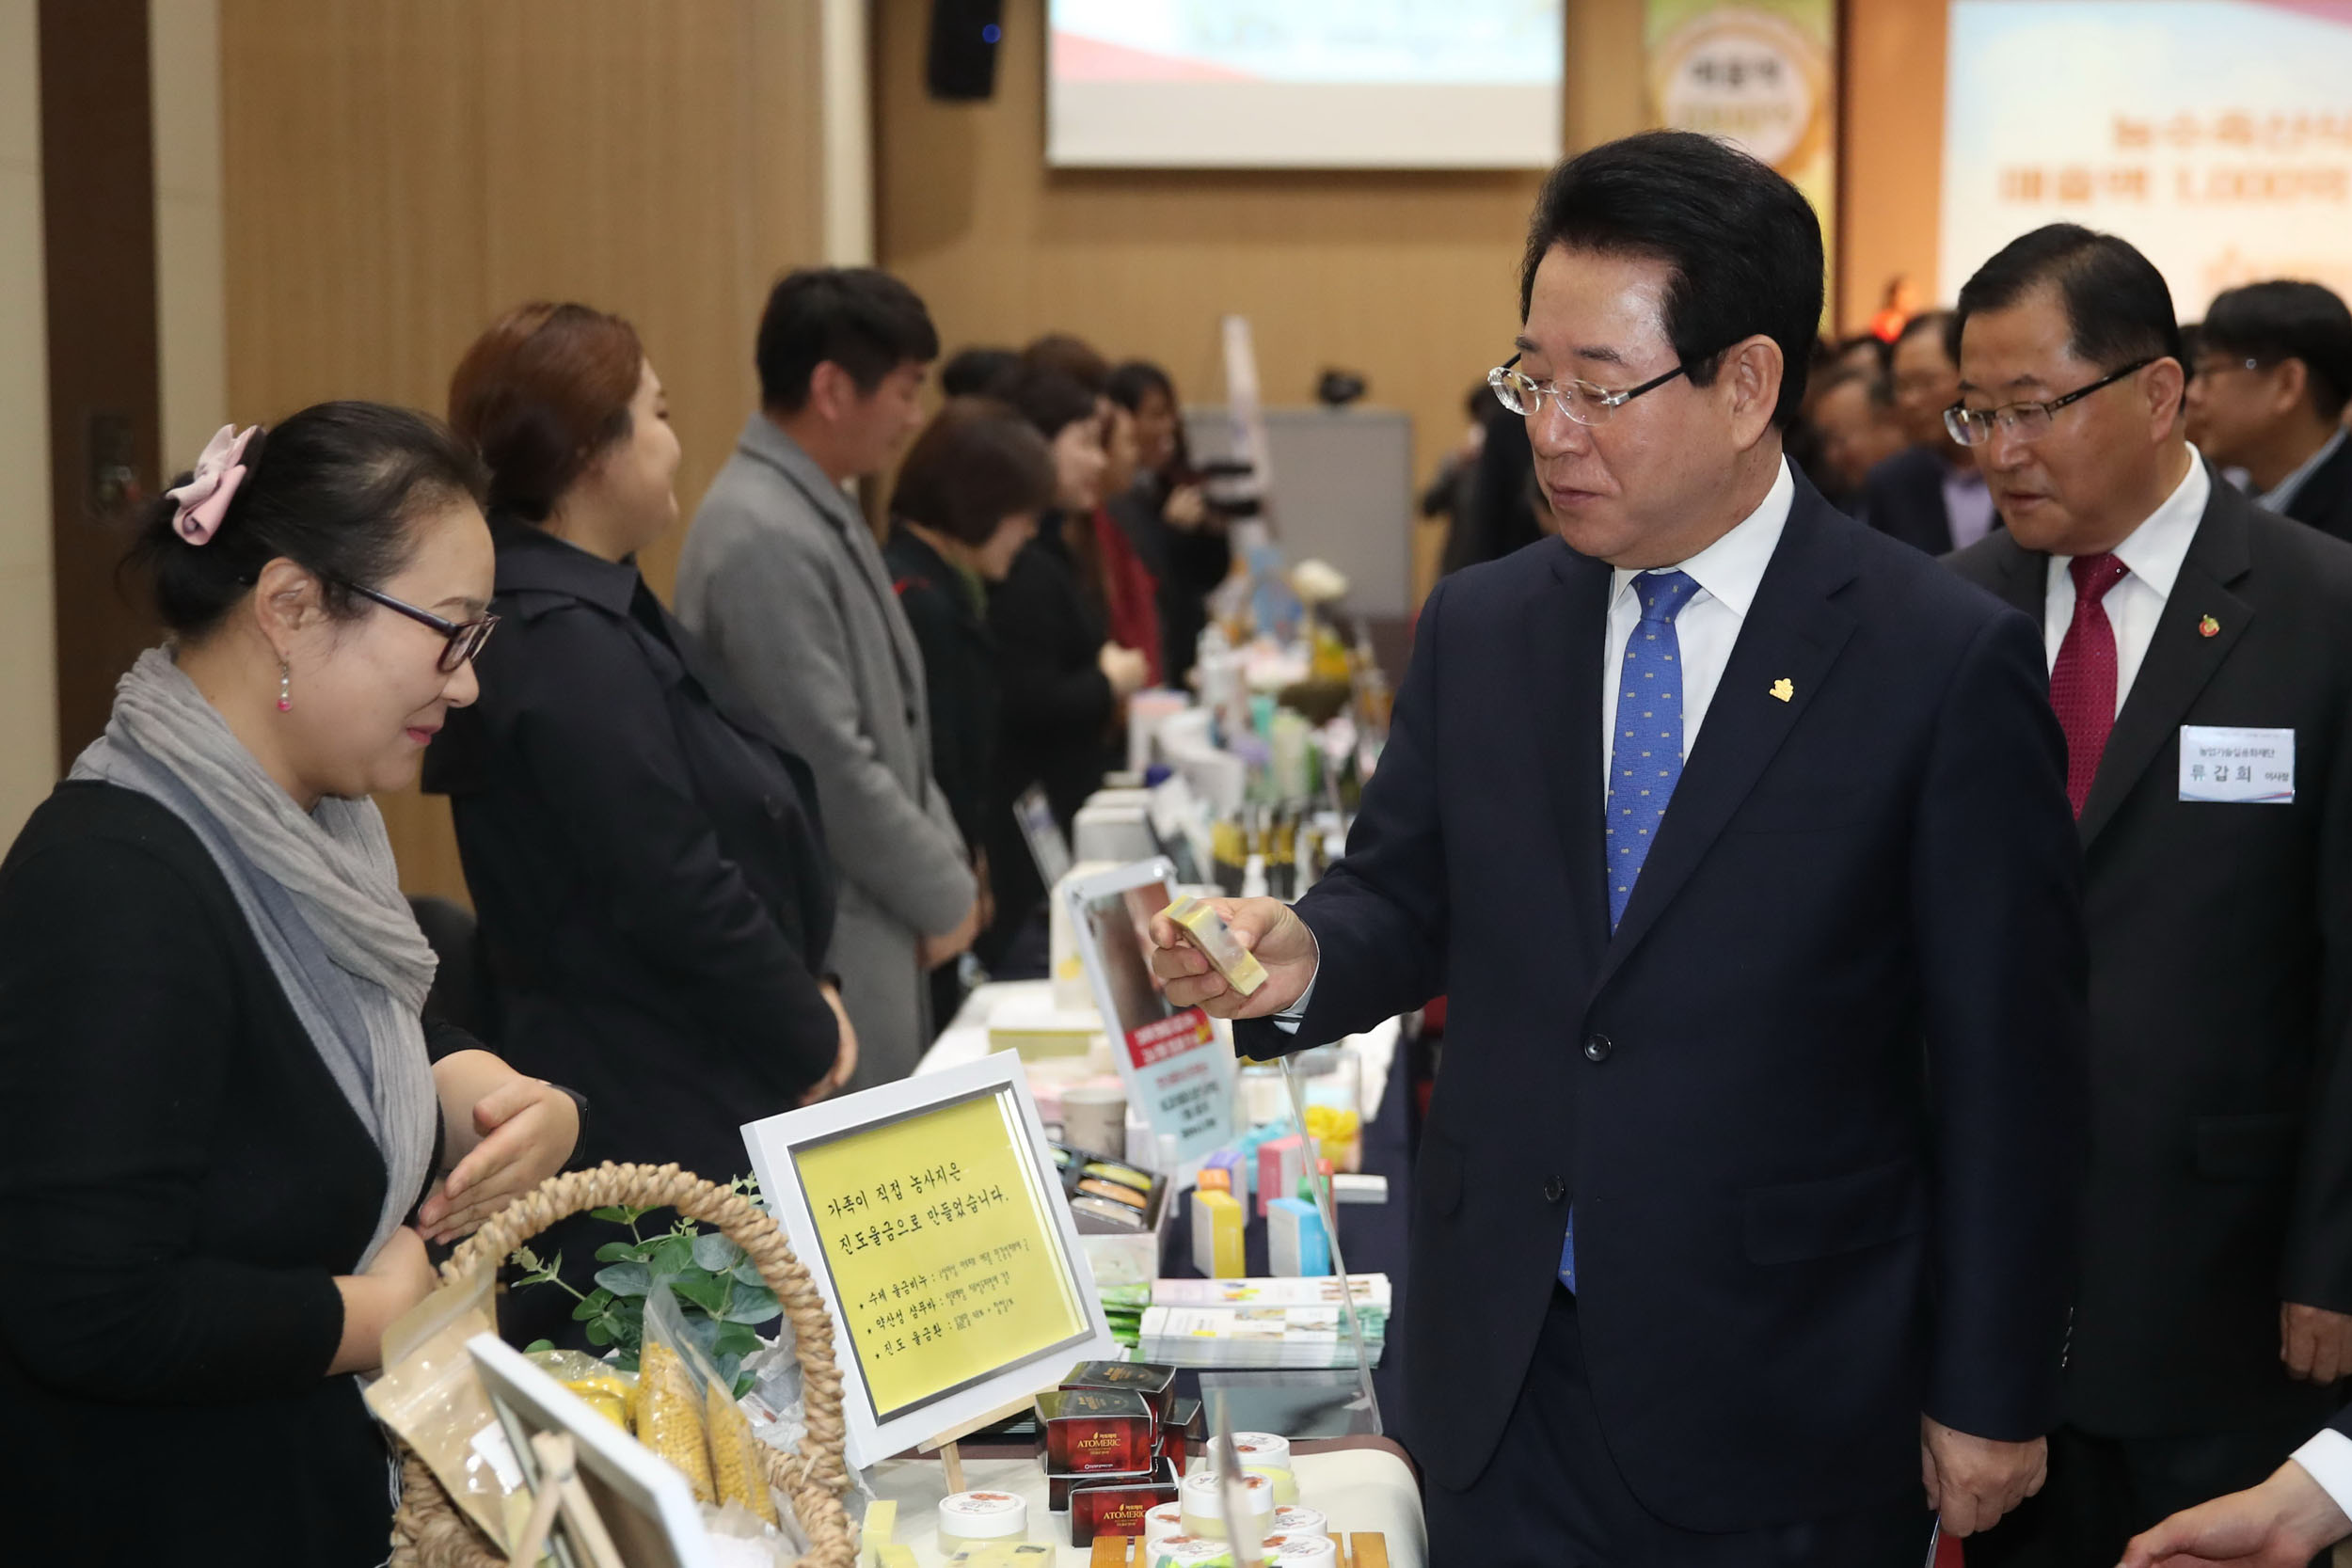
{"x": 1584, "y": 402}
{"x": 464, "y": 638}
{"x": 2027, "y": 422}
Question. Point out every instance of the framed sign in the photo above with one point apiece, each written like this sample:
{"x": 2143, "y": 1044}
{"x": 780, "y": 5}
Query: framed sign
{"x": 929, "y": 1213}
{"x": 643, "y": 1502}
{"x": 1179, "y": 1076}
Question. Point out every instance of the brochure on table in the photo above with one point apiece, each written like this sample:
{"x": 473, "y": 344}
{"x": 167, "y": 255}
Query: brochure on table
{"x": 1179, "y": 1074}
{"x": 929, "y": 1215}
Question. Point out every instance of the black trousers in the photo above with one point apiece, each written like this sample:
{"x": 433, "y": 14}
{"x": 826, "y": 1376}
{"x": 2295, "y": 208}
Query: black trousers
{"x": 1552, "y": 1498}
{"x": 2103, "y": 1490}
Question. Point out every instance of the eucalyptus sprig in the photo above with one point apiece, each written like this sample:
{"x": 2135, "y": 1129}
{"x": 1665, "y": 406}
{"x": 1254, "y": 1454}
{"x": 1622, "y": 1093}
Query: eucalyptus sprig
{"x": 721, "y": 1296}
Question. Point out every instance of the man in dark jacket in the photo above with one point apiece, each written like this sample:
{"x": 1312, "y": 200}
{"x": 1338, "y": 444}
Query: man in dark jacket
{"x": 1930, "y": 495}
{"x": 1746, "y": 1196}
{"x": 2273, "y": 373}
{"x": 2200, "y": 664}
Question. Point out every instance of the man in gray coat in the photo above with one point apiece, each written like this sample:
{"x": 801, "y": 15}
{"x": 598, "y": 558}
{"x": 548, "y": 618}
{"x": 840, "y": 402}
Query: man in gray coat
{"x": 781, "y": 579}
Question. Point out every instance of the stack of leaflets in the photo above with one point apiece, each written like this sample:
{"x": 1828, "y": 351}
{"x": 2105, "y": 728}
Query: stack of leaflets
{"x": 1261, "y": 1324}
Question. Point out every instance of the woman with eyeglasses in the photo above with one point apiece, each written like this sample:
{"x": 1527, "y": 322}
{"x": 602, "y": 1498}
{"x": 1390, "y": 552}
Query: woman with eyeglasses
{"x": 233, "y": 1130}
{"x": 643, "y": 854}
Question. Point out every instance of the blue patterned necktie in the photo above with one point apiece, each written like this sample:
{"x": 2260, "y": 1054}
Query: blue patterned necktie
{"x": 1644, "y": 761}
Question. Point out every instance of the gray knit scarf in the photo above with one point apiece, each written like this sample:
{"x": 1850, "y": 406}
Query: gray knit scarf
{"x": 322, "y": 896}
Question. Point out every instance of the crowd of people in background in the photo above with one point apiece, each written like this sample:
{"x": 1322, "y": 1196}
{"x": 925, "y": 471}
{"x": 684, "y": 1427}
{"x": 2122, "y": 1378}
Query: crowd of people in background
{"x": 2271, "y": 380}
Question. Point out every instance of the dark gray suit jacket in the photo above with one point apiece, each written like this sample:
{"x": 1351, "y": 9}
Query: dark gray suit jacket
{"x": 783, "y": 582}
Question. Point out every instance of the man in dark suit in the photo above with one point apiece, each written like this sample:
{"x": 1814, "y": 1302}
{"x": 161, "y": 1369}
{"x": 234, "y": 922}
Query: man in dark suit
{"x": 1928, "y": 496}
{"x": 2200, "y": 664}
{"x": 2273, "y": 370}
{"x": 2302, "y": 1510}
{"x": 1746, "y": 1191}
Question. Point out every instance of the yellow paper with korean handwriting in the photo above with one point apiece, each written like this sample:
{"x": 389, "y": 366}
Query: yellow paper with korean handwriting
{"x": 944, "y": 1254}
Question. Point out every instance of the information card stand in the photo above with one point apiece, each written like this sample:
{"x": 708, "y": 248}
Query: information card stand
{"x": 1178, "y": 1073}
{"x": 932, "y": 1218}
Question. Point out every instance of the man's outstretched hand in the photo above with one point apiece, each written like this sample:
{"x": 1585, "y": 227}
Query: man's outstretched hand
{"x": 2283, "y": 1523}
{"x": 1266, "y": 927}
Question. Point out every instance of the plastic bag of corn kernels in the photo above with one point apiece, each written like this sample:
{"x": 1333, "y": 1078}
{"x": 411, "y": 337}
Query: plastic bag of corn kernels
{"x": 689, "y": 1416}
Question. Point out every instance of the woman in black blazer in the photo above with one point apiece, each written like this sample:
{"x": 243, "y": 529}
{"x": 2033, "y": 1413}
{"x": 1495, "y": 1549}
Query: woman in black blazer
{"x": 1063, "y": 678}
{"x": 966, "y": 502}
{"x": 643, "y": 854}
{"x": 225, "y": 1103}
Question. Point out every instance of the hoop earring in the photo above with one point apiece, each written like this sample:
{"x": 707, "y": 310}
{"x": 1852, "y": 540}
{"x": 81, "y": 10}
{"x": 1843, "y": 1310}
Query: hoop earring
{"x": 285, "y": 686}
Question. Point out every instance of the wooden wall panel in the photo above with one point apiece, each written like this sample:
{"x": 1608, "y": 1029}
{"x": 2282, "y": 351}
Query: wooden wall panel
{"x": 98, "y": 236}
{"x": 1892, "y": 166}
{"x": 399, "y": 171}
{"x": 1409, "y": 278}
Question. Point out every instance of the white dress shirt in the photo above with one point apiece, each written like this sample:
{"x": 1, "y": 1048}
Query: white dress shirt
{"x": 1728, "y": 572}
{"x": 2152, "y": 556}
{"x": 2328, "y": 1457}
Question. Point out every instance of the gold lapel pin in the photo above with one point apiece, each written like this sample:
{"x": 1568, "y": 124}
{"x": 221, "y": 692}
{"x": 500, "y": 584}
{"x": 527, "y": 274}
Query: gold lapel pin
{"x": 1784, "y": 688}
{"x": 2208, "y": 628}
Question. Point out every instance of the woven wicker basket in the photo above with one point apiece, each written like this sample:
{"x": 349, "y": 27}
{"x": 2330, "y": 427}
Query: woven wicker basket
{"x": 430, "y": 1531}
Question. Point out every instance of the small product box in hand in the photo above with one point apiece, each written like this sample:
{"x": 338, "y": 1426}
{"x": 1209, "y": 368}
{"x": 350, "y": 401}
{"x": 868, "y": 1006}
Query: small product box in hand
{"x": 1205, "y": 929}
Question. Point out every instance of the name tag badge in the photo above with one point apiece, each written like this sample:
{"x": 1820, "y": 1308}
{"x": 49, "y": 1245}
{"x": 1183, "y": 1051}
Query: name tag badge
{"x": 2252, "y": 768}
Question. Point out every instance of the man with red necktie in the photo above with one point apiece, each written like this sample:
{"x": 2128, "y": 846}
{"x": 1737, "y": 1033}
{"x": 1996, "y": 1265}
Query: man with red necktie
{"x": 2200, "y": 667}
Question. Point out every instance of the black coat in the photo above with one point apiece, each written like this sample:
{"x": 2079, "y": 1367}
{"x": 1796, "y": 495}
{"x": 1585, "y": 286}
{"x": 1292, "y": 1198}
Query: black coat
{"x": 1903, "y": 498}
{"x": 1058, "y": 707}
{"x": 2325, "y": 502}
{"x": 646, "y": 863}
{"x": 2220, "y": 990}
{"x": 1816, "y": 1102}
{"x": 959, "y": 675}
{"x": 1502, "y": 516}
{"x": 187, "y": 1182}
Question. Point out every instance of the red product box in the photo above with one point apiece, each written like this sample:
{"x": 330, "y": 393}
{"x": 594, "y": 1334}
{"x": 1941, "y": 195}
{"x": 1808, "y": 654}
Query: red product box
{"x": 1117, "y": 1507}
{"x": 1179, "y": 1427}
{"x": 1095, "y": 1432}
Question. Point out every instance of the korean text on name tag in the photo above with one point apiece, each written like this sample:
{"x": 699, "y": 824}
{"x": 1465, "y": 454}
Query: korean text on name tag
{"x": 2237, "y": 766}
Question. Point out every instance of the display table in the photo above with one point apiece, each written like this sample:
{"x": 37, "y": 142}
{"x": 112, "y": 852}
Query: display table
{"x": 966, "y": 1038}
{"x": 1361, "y": 1485}
{"x": 1372, "y": 1235}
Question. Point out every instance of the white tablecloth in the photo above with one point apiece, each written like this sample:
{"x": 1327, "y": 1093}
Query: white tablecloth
{"x": 1357, "y": 1489}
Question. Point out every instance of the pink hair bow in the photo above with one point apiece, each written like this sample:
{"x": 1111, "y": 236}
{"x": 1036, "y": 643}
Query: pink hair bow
{"x": 203, "y": 500}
